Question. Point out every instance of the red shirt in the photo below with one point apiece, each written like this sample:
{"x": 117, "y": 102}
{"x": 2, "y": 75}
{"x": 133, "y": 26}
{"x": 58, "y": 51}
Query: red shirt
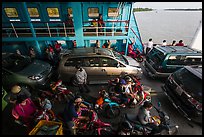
{"x": 179, "y": 44}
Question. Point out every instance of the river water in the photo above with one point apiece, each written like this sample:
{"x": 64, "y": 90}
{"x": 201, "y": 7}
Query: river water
{"x": 169, "y": 25}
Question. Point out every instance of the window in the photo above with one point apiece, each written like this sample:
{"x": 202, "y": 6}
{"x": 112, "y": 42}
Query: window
{"x": 184, "y": 60}
{"x": 73, "y": 62}
{"x": 53, "y": 12}
{"x": 33, "y": 12}
{"x": 69, "y": 11}
{"x": 112, "y": 12}
{"x": 107, "y": 62}
{"x": 11, "y": 12}
{"x": 93, "y": 12}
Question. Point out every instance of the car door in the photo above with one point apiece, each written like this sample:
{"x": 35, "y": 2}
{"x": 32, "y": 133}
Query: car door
{"x": 111, "y": 67}
{"x": 93, "y": 69}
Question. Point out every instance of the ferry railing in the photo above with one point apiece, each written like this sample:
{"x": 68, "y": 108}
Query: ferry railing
{"x": 61, "y": 29}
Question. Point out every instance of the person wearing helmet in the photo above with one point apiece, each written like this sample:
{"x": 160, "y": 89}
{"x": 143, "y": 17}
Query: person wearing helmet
{"x": 145, "y": 117}
{"x": 18, "y": 93}
{"x": 70, "y": 113}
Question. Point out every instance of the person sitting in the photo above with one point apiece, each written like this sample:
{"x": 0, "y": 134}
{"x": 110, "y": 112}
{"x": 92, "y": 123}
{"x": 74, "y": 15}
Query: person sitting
{"x": 18, "y": 93}
{"x": 24, "y": 111}
{"x": 180, "y": 43}
{"x": 145, "y": 117}
{"x": 131, "y": 50}
{"x": 45, "y": 104}
{"x": 71, "y": 113}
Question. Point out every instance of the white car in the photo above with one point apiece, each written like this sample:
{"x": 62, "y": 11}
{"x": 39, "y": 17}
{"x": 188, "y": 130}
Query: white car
{"x": 101, "y": 65}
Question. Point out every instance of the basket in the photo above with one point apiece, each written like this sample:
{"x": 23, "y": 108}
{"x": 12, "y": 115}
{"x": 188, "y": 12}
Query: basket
{"x": 47, "y": 123}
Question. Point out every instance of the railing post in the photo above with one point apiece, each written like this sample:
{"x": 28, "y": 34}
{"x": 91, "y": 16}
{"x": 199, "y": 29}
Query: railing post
{"x": 48, "y": 29}
{"x": 14, "y": 30}
{"x": 65, "y": 32}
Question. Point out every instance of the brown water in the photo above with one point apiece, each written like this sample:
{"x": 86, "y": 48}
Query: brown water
{"x": 169, "y": 25}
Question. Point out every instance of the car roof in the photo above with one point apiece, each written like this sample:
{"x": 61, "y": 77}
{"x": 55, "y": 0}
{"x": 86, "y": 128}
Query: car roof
{"x": 178, "y": 49}
{"x": 91, "y": 51}
{"x": 196, "y": 70}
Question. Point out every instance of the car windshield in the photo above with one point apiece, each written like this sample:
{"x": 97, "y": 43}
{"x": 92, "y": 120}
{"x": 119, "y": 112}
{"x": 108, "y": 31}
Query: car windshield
{"x": 120, "y": 57}
{"x": 15, "y": 63}
{"x": 191, "y": 83}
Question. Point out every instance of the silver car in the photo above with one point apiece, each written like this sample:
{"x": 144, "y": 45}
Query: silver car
{"x": 19, "y": 69}
{"x": 101, "y": 64}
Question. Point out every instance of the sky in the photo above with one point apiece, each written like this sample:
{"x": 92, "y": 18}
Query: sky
{"x": 168, "y": 5}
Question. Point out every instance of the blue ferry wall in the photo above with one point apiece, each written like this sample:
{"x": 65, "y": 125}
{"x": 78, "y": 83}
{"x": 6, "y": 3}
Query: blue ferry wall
{"x": 80, "y": 15}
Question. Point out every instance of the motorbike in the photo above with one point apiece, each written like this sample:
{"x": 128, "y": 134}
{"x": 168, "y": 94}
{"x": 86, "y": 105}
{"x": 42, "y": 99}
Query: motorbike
{"x": 142, "y": 94}
{"x": 162, "y": 120}
{"x": 138, "y": 57}
{"x": 106, "y": 106}
{"x": 94, "y": 126}
{"x": 58, "y": 92}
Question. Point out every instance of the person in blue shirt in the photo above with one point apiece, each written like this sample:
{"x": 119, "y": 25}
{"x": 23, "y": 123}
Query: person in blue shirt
{"x": 70, "y": 112}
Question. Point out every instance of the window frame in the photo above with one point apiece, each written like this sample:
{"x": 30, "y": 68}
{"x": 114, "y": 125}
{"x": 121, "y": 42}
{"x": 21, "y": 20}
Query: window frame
{"x": 53, "y": 8}
{"x": 93, "y": 16}
{"x": 10, "y": 8}
{"x": 37, "y": 12}
{"x": 109, "y": 12}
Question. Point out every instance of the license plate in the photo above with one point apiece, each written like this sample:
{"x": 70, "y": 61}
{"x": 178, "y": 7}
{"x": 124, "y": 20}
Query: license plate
{"x": 179, "y": 90}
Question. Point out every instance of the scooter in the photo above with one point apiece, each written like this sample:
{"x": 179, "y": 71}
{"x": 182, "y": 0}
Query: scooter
{"x": 163, "y": 121}
{"x": 143, "y": 95}
{"x": 139, "y": 57}
{"x": 107, "y": 107}
{"x": 58, "y": 92}
{"x": 94, "y": 126}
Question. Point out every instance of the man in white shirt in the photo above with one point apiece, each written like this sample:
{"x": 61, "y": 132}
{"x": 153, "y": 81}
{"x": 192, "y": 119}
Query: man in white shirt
{"x": 149, "y": 45}
{"x": 164, "y": 43}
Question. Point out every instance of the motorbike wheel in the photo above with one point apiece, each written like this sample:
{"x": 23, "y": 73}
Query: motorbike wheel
{"x": 112, "y": 112}
{"x": 139, "y": 59}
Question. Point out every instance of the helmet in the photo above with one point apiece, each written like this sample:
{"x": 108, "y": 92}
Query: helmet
{"x": 126, "y": 126}
{"x": 78, "y": 99}
{"x": 15, "y": 89}
{"x": 128, "y": 79}
{"x": 122, "y": 81}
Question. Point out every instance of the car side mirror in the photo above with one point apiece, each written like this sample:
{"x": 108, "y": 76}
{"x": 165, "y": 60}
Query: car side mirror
{"x": 118, "y": 65}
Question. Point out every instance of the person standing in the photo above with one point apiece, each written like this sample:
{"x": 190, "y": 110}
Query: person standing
{"x": 32, "y": 53}
{"x": 173, "y": 43}
{"x": 81, "y": 79}
{"x": 101, "y": 23}
{"x": 164, "y": 43}
{"x": 149, "y": 45}
{"x": 180, "y": 43}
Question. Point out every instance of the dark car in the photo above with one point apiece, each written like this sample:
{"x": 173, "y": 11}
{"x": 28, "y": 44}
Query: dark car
{"x": 184, "y": 90}
{"x": 161, "y": 61}
{"x": 19, "y": 69}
